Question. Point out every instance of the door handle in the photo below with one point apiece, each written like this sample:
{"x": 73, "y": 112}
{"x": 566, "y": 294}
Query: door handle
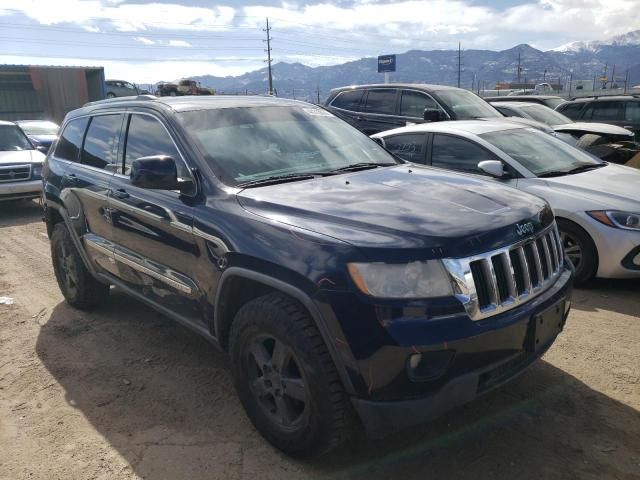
{"x": 121, "y": 194}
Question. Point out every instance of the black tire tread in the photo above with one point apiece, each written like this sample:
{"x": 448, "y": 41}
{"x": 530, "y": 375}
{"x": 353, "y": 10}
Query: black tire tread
{"x": 91, "y": 292}
{"x": 301, "y": 323}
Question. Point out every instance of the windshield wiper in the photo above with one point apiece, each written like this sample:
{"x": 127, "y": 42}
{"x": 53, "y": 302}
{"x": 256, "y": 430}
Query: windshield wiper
{"x": 275, "y": 179}
{"x": 361, "y": 166}
{"x": 581, "y": 168}
{"x": 586, "y": 167}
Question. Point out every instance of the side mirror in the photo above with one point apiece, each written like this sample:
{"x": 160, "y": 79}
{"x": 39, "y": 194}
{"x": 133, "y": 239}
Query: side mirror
{"x": 492, "y": 167}
{"x": 42, "y": 148}
{"x": 431, "y": 115}
{"x": 156, "y": 172}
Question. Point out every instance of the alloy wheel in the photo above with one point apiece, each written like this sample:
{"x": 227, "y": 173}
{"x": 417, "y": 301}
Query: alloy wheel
{"x": 277, "y": 382}
{"x": 572, "y": 249}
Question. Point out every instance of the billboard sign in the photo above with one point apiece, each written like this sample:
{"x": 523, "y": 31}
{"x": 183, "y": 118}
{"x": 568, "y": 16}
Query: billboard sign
{"x": 386, "y": 63}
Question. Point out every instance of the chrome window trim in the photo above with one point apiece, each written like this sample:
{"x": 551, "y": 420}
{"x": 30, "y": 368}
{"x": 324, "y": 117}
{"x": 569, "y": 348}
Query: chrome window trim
{"x": 464, "y": 285}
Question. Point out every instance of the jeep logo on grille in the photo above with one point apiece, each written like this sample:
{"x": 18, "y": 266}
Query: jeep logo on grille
{"x": 524, "y": 229}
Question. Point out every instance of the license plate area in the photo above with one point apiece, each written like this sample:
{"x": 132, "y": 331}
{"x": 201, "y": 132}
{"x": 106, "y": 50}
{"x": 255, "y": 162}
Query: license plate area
{"x": 544, "y": 326}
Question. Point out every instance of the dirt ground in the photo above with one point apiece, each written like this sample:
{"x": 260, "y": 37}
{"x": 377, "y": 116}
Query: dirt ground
{"x": 123, "y": 393}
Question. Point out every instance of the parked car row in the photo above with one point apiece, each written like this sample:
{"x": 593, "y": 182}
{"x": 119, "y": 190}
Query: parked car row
{"x": 351, "y": 280}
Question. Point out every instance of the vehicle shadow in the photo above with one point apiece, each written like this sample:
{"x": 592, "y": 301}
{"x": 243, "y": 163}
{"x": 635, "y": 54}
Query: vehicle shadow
{"x": 163, "y": 398}
{"x": 608, "y": 294}
{"x": 19, "y": 212}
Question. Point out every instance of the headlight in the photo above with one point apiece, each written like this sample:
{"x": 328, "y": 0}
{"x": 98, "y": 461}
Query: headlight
{"x": 36, "y": 171}
{"x": 616, "y": 219}
{"x": 408, "y": 280}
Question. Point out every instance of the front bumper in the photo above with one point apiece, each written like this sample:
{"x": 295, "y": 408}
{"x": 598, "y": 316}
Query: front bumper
{"x": 481, "y": 363}
{"x": 614, "y": 247}
{"x": 18, "y": 190}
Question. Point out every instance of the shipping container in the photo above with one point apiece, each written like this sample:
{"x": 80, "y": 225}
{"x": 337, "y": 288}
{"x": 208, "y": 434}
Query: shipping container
{"x": 29, "y": 92}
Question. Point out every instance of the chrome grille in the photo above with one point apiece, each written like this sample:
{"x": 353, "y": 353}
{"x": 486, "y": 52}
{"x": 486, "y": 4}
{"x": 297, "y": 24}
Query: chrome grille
{"x": 494, "y": 282}
{"x": 15, "y": 173}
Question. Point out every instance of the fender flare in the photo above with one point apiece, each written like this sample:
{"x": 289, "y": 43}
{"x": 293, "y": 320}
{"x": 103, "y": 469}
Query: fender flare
{"x": 300, "y": 296}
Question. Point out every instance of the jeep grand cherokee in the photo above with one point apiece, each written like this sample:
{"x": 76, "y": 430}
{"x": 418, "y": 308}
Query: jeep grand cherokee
{"x": 345, "y": 284}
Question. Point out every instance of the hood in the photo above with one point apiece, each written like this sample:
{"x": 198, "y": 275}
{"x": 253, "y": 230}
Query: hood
{"x": 21, "y": 156}
{"x": 600, "y": 128}
{"x": 43, "y": 139}
{"x": 612, "y": 186}
{"x": 407, "y": 207}
{"x": 529, "y": 123}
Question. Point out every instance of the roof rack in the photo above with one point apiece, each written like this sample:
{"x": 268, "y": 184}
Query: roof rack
{"x": 120, "y": 99}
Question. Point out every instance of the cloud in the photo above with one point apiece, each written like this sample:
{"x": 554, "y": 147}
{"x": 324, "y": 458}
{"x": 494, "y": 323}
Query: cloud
{"x": 179, "y": 43}
{"x": 146, "y": 41}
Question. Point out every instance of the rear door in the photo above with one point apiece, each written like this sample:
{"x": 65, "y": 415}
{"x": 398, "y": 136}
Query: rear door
{"x": 632, "y": 117}
{"x": 411, "y": 147}
{"x": 86, "y": 180}
{"x": 154, "y": 244}
{"x": 380, "y": 111}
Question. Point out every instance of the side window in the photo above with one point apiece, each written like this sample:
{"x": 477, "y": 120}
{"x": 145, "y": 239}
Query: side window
{"x": 413, "y": 104}
{"x": 457, "y": 153}
{"x": 605, "y": 111}
{"x": 348, "y": 100}
{"x": 146, "y": 136}
{"x": 100, "y": 147}
{"x": 70, "y": 141}
{"x": 571, "y": 110}
{"x": 381, "y": 101}
{"x": 408, "y": 147}
{"x": 632, "y": 112}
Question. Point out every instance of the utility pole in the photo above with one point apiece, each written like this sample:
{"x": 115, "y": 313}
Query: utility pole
{"x": 318, "y": 93}
{"x": 544, "y": 76}
{"x": 459, "y": 64}
{"x": 613, "y": 76}
{"x": 519, "y": 69}
{"x": 268, "y": 50}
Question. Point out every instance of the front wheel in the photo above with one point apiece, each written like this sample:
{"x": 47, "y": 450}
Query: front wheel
{"x": 580, "y": 250}
{"x": 78, "y": 286}
{"x": 286, "y": 379}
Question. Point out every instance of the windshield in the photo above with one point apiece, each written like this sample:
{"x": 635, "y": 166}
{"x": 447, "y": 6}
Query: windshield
{"x": 467, "y": 105}
{"x": 546, "y": 115}
{"x": 539, "y": 152}
{"x": 12, "y": 138}
{"x": 39, "y": 128}
{"x": 249, "y": 144}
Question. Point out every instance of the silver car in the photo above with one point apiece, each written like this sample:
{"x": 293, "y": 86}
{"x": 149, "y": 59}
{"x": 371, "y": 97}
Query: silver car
{"x": 120, "y": 88}
{"x": 597, "y": 204}
{"x": 20, "y": 164}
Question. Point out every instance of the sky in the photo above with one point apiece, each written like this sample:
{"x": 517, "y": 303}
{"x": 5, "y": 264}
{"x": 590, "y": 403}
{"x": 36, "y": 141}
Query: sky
{"x": 146, "y": 41}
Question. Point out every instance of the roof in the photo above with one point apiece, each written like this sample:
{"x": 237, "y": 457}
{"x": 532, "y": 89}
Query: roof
{"x": 475, "y": 127}
{"x": 525, "y": 98}
{"x": 4, "y": 122}
{"x": 418, "y": 86}
{"x": 516, "y": 104}
{"x": 199, "y": 102}
{"x": 604, "y": 98}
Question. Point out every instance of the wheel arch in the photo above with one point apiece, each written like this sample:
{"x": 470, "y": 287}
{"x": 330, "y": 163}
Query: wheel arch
{"x": 239, "y": 285}
{"x": 560, "y": 218}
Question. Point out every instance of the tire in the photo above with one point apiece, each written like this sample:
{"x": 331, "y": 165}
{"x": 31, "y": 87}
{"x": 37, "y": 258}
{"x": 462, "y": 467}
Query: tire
{"x": 310, "y": 415}
{"x": 79, "y": 287}
{"x": 580, "y": 250}
{"x": 111, "y": 95}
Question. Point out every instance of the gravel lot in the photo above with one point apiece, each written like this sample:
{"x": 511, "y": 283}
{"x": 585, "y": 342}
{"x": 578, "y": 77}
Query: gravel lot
{"x": 123, "y": 393}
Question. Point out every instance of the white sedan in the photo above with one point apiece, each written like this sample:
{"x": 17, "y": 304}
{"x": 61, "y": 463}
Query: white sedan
{"x": 20, "y": 164}
{"x": 597, "y": 204}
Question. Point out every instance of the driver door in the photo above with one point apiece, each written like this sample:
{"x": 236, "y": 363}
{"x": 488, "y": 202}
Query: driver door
{"x": 154, "y": 245}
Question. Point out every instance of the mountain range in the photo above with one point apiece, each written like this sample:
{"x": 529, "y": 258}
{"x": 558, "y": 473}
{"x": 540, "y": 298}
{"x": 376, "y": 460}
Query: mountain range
{"x": 585, "y": 61}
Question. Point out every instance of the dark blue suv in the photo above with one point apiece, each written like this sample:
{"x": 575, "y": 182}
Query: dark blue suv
{"x": 345, "y": 284}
